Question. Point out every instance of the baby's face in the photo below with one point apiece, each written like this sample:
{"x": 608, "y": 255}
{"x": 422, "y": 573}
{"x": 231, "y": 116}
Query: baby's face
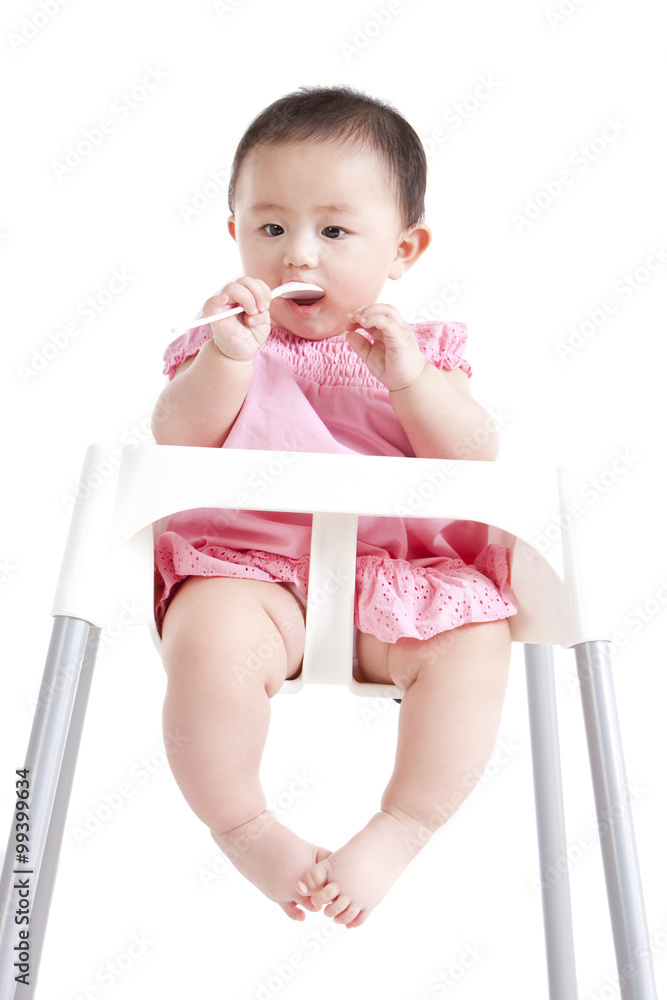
{"x": 319, "y": 213}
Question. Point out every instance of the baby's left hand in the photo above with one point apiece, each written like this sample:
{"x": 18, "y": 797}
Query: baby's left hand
{"x": 394, "y": 357}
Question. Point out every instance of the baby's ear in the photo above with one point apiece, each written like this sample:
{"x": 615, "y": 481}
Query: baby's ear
{"x": 231, "y": 227}
{"x": 413, "y": 243}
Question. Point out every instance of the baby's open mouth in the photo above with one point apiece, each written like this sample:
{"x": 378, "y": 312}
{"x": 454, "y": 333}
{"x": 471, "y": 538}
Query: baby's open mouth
{"x": 309, "y": 301}
{"x": 306, "y": 305}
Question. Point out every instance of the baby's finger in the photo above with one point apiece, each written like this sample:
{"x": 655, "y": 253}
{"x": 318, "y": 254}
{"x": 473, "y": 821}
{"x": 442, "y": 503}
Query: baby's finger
{"x": 359, "y": 344}
{"x": 215, "y": 304}
{"x": 359, "y": 317}
{"x": 387, "y": 325}
{"x": 260, "y": 291}
{"x": 377, "y": 314}
{"x": 241, "y": 295}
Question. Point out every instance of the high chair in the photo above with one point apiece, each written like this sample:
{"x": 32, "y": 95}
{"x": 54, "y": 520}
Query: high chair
{"x": 109, "y": 559}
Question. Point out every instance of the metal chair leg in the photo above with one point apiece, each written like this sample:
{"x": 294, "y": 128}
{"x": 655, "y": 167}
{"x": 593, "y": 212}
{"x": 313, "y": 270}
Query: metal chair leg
{"x": 49, "y": 766}
{"x": 617, "y": 839}
{"x": 552, "y": 844}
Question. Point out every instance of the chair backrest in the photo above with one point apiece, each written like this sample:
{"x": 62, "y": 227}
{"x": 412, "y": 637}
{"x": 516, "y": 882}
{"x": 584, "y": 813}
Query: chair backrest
{"x": 109, "y": 553}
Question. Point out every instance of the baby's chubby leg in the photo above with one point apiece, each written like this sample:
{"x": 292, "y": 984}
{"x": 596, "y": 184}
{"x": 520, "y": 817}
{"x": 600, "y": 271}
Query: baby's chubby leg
{"x": 227, "y": 647}
{"x": 454, "y": 688}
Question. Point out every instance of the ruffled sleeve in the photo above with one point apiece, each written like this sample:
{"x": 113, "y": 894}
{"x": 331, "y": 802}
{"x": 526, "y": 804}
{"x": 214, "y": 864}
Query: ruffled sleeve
{"x": 185, "y": 346}
{"x": 444, "y": 344}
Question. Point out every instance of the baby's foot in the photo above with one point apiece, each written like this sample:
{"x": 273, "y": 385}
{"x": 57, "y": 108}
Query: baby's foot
{"x": 272, "y": 858}
{"x": 357, "y": 877}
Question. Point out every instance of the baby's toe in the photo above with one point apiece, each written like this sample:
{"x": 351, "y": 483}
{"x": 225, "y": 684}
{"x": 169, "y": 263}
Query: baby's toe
{"x": 339, "y": 904}
{"x": 326, "y": 895}
{"x": 315, "y": 878}
{"x": 293, "y": 911}
{"x": 353, "y": 917}
{"x": 307, "y": 903}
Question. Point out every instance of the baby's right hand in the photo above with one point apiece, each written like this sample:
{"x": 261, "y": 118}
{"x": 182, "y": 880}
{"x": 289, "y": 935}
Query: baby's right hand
{"x": 240, "y": 337}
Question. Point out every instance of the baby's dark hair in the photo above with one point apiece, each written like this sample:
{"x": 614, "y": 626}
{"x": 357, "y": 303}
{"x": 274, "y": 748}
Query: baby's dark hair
{"x": 321, "y": 114}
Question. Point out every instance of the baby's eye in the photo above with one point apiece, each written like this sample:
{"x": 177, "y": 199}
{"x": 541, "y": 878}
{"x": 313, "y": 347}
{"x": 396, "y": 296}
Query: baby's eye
{"x": 273, "y": 229}
{"x": 333, "y": 232}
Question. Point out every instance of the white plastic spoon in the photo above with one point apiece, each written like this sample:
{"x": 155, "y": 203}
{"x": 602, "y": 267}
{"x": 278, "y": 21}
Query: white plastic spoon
{"x": 290, "y": 290}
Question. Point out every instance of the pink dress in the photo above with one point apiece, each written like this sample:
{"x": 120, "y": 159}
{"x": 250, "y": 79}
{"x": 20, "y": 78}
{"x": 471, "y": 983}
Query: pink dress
{"x": 415, "y": 577}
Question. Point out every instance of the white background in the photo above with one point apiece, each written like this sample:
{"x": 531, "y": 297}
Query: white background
{"x": 536, "y": 93}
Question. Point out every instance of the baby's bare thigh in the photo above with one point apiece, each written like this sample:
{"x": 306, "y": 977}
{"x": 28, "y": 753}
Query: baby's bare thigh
{"x": 210, "y": 614}
{"x": 401, "y": 662}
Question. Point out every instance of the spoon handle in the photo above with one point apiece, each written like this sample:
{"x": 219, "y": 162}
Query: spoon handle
{"x": 290, "y": 286}
{"x": 204, "y": 320}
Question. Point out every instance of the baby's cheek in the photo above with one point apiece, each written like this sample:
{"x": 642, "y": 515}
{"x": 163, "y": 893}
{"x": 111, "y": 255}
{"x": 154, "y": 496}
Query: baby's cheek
{"x": 354, "y": 297}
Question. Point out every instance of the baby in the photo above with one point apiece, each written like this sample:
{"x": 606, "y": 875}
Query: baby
{"x": 327, "y": 187}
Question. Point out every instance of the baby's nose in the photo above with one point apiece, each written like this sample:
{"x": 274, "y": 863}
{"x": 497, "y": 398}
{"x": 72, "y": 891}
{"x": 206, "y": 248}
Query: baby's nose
{"x": 300, "y": 252}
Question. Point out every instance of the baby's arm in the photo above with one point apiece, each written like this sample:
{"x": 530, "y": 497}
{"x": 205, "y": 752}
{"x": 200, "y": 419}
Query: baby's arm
{"x": 199, "y": 406}
{"x": 441, "y": 418}
{"x": 436, "y": 408}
